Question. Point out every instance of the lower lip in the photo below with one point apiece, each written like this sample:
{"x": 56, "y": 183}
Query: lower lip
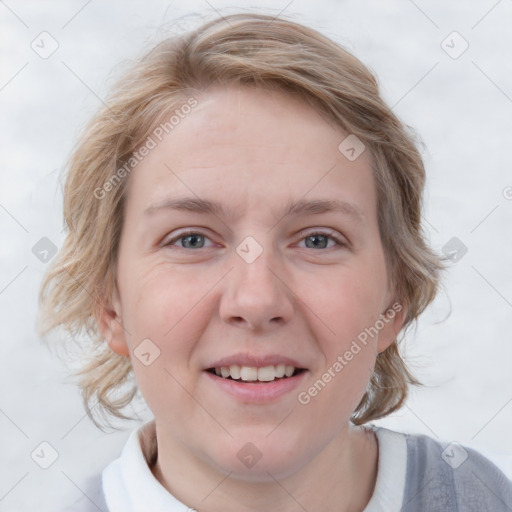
{"x": 253, "y": 392}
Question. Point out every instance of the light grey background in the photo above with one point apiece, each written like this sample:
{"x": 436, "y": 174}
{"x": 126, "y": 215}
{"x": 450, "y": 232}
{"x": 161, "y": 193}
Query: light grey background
{"x": 462, "y": 109}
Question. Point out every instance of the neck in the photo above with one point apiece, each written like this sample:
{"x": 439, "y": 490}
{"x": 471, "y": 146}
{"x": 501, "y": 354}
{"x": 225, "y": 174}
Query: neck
{"x": 341, "y": 477}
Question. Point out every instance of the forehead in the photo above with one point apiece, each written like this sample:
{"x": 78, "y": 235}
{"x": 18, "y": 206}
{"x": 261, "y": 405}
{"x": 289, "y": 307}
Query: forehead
{"x": 247, "y": 147}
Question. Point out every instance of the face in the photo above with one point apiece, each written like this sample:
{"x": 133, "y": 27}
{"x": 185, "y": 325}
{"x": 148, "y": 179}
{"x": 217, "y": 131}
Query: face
{"x": 250, "y": 247}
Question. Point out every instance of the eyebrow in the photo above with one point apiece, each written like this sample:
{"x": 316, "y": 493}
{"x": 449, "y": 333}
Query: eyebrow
{"x": 300, "y": 207}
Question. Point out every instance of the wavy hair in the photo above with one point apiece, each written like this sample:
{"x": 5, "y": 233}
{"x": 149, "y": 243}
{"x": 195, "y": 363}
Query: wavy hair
{"x": 245, "y": 49}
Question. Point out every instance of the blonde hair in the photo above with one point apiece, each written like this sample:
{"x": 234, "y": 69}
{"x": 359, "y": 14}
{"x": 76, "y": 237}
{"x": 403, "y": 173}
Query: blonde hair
{"x": 246, "y": 49}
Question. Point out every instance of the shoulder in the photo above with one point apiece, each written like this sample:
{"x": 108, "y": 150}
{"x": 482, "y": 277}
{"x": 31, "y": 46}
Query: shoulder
{"x": 451, "y": 477}
{"x": 92, "y": 498}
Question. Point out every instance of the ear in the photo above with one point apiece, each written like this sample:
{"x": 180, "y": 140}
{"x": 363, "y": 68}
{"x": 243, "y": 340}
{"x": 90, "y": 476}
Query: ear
{"x": 109, "y": 318}
{"x": 393, "y": 319}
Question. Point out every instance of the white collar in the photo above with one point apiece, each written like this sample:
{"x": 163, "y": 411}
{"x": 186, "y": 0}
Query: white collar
{"x": 128, "y": 483}
{"x": 389, "y": 489}
{"x": 130, "y": 486}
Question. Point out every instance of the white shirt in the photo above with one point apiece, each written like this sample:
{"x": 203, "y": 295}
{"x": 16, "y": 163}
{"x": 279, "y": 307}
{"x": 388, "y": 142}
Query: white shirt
{"x": 130, "y": 486}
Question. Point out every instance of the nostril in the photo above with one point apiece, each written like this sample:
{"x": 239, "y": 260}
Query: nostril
{"x": 238, "y": 320}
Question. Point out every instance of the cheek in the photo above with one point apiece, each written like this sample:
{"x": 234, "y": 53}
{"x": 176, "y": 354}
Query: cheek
{"x": 162, "y": 300}
{"x": 171, "y": 310}
{"x": 344, "y": 302}
{"x": 336, "y": 388}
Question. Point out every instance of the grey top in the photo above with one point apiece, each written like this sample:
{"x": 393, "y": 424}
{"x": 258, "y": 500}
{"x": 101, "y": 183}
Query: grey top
{"x": 439, "y": 477}
{"x": 436, "y": 482}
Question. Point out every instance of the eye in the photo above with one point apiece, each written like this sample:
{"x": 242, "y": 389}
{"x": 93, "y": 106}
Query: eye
{"x": 188, "y": 240}
{"x": 313, "y": 240}
{"x": 320, "y": 240}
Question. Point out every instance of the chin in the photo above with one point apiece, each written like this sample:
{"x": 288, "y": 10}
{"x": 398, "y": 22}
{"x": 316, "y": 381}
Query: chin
{"x": 260, "y": 457}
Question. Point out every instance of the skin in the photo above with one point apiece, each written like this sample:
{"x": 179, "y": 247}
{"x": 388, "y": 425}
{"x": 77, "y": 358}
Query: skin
{"x": 253, "y": 151}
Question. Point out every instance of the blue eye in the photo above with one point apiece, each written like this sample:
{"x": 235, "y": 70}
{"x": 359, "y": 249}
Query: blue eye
{"x": 313, "y": 240}
{"x": 189, "y": 240}
{"x": 320, "y": 240}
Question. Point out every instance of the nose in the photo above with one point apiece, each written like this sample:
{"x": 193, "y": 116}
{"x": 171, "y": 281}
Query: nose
{"x": 257, "y": 295}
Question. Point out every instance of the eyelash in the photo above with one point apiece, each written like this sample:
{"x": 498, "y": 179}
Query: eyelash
{"x": 329, "y": 234}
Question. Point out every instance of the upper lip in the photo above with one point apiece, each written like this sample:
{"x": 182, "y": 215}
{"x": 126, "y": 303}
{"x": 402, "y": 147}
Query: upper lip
{"x": 258, "y": 361}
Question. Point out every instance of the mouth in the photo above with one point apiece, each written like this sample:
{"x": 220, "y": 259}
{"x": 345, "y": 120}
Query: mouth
{"x": 256, "y": 379}
{"x": 254, "y": 374}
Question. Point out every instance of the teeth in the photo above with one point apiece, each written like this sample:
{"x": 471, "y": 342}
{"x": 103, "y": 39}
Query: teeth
{"x": 253, "y": 374}
{"x": 288, "y": 370}
{"x": 267, "y": 373}
{"x": 248, "y": 373}
{"x": 234, "y": 371}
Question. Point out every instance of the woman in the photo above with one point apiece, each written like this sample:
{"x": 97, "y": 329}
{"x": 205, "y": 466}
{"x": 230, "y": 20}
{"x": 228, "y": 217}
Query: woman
{"x": 245, "y": 240}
